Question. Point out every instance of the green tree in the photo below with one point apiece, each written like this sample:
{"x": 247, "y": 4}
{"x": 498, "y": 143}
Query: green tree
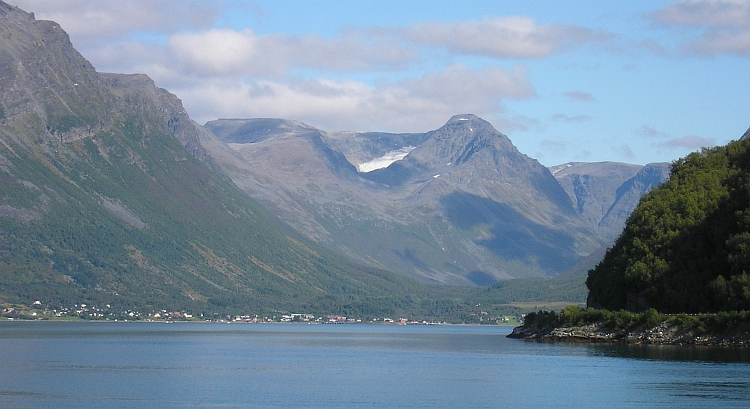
{"x": 686, "y": 247}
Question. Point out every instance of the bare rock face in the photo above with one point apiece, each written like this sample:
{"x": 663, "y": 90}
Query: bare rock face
{"x": 45, "y": 79}
{"x": 605, "y": 193}
{"x": 47, "y": 84}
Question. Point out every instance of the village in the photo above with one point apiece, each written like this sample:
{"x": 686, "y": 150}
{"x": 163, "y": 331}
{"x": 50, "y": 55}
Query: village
{"x": 38, "y": 312}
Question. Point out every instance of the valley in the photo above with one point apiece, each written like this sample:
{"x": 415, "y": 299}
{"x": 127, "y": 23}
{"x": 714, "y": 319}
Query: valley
{"x": 113, "y": 195}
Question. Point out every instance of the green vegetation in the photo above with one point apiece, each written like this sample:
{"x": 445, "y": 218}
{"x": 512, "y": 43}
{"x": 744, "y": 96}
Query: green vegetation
{"x": 722, "y": 323}
{"x": 686, "y": 247}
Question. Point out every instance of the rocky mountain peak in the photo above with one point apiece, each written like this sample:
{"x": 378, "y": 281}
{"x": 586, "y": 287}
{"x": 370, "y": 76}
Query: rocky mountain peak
{"x": 462, "y": 119}
{"x": 44, "y": 78}
{"x": 458, "y": 140}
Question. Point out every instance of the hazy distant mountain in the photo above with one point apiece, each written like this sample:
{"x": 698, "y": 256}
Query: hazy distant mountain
{"x": 459, "y": 204}
{"x": 605, "y": 193}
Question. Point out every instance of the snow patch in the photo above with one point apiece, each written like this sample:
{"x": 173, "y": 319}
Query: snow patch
{"x": 567, "y": 165}
{"x": 385, "y": 160}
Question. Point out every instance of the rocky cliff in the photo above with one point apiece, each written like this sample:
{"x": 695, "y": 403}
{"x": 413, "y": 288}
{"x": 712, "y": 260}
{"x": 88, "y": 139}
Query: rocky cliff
{"x": 664, "y": 333}
{"x": 605, "y": 193}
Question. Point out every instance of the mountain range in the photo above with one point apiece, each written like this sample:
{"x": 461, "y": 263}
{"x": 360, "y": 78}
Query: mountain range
{"x": 458, "y": 205}
{"x": 108, "y": 197}
{"x": 111, "y": 194}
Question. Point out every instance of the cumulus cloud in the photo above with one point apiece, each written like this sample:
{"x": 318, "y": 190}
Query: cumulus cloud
{"x": 334, "y": 82}
{"x": 231, "y": 52}
{"x": 504, "y": 37}
{"x": 222, "y": 51}
{"x": 690, "y": 142}
{"x": 412, "y": 104}
{"x": 725, "y": 24}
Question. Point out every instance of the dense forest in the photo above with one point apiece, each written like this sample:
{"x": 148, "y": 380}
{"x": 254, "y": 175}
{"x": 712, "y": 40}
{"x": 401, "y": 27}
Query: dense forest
{"x": 686, "y": 247}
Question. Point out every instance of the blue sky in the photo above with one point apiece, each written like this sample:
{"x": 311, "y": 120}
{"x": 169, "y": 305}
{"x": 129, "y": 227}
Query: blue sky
{"x": 625, "y": 81}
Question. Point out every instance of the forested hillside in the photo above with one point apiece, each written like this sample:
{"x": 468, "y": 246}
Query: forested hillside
{"x": 686, "y": 247}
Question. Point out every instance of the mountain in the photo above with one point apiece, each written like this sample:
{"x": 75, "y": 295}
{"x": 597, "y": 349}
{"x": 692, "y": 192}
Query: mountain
{"x": 109, "y": 197}
{"x": 686, "y": 246}
{"x": 457, "y": 205}
{"x": 605, "y": 193}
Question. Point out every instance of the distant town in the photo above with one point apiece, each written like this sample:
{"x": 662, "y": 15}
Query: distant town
{"x": 39, "y": 312}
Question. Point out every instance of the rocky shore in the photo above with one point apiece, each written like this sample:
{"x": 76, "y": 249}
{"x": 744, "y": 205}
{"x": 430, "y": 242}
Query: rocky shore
{"x": 665, "y": 333}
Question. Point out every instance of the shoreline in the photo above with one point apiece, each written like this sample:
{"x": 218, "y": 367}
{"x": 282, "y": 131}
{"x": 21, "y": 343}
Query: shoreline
{"x": 665, "y": 333}
{"x": 78, "y": 320}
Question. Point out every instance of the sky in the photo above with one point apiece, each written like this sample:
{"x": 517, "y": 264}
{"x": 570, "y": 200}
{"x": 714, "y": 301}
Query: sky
{"x": 567, "y": 81}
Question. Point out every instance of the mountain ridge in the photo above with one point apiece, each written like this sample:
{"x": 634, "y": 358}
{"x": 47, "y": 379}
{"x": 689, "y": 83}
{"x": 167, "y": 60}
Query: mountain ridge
{"x": 110, "y": 198}
{"x": 442, "y": 192}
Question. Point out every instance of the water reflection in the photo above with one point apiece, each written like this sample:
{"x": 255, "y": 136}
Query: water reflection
{"x": 680, "y": 353}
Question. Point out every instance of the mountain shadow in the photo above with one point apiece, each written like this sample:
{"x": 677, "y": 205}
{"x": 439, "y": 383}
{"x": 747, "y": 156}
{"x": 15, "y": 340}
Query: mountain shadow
{"x": 511, "y": 235}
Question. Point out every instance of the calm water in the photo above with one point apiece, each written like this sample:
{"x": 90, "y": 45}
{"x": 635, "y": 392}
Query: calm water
{"x": 197, "y": 365}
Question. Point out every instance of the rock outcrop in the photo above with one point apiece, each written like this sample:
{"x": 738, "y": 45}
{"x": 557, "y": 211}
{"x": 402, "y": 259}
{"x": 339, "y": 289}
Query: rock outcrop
{"x": 665, "y": 333}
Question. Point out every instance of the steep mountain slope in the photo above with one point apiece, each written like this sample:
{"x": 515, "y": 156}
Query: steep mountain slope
{"x": 464, "y": 206}
{"x": 686, "y": 247}
{"x": 108, "y": 197}
{"x": 605, "y": 193}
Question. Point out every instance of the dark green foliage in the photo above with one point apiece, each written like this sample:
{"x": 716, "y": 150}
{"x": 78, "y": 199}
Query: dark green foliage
{"x": 722, "y": 324}
{"x": 686, "y": 247}
{"x": 573, "y": 316}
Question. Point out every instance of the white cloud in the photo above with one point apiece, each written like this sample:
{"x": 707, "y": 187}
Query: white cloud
{"x": 413, "y": 104}
{"x": 725, "y": 24}
{"x": 461, "y": 84}
{"x": 504, "y": 37}
{"x": 105, "y": 19}
{"x": 222, "y": 52}
{"x": 706, "y": 13}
